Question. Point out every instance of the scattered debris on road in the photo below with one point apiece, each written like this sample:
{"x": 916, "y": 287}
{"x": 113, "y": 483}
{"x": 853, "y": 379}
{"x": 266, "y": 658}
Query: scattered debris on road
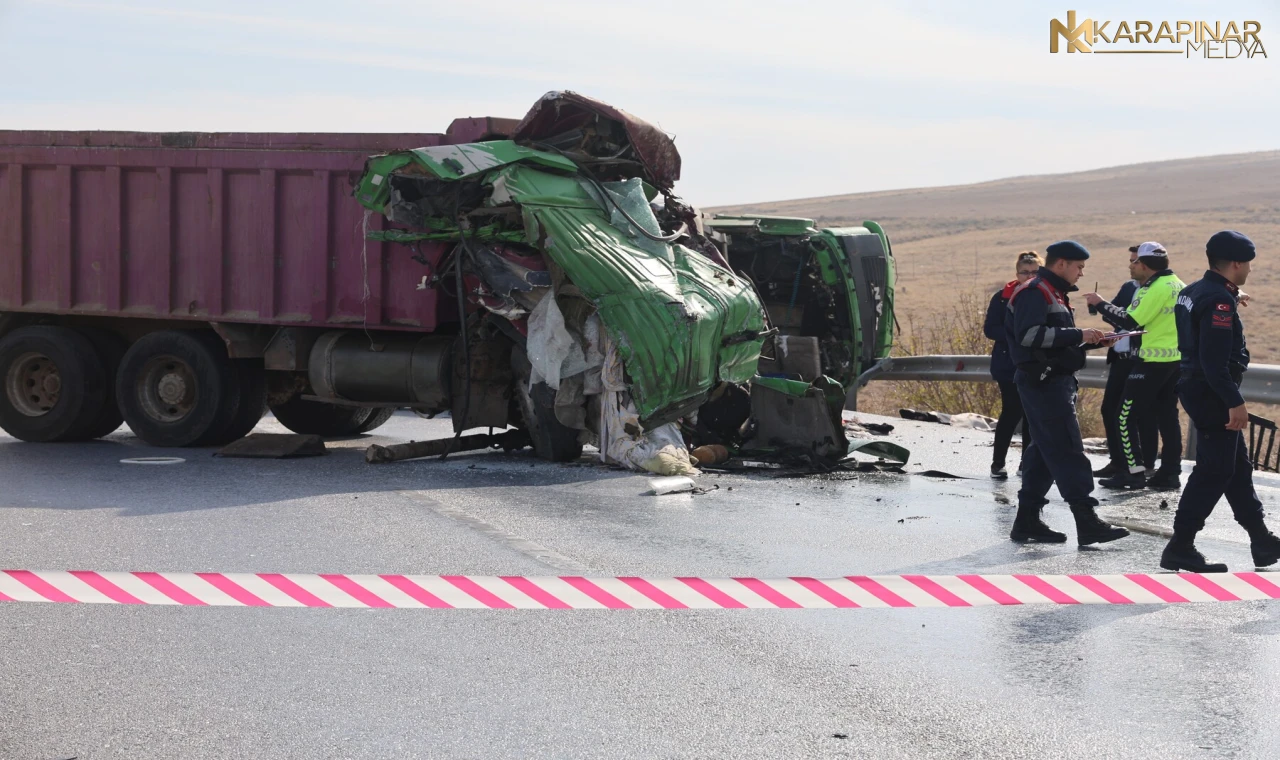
{"x": 969, "y": 420}
{"x": 274, "y": 446}
{"x": 912, "y": 414}
{"x": 712, "y": 454}
{"x": 397, "y": 452}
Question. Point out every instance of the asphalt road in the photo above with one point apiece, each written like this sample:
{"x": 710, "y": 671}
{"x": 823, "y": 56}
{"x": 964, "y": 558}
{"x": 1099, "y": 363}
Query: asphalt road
{"x": 99, "y": 681}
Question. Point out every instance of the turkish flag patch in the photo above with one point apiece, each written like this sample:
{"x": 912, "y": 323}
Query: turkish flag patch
{"x": 1224, "y": 307}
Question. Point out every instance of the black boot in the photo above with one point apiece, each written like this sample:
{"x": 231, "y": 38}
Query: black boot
{"x": 1125, "y": 479}
{"x": 1112, "y": 468}
{"x": 1028, "y": 527}
{"x": 1264, "y": 545}
{"x": 1182, "y": 554}
{"x": 1090, "y": 529}
{"x": 1165, "y": 479}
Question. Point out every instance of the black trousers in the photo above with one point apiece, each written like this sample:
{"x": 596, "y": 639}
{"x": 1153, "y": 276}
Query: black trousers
{"x": 1150, "y": 399}
{"x": 1170, "y": 433}
{"x": 1222, "y": 465}
{"x": 1112, "y": 397}
{"x": 1056, "y": 454}
{"x": 1117, "y": 373}
{"x": 1148, "y": 427}
{"x": 1011, "y": 417}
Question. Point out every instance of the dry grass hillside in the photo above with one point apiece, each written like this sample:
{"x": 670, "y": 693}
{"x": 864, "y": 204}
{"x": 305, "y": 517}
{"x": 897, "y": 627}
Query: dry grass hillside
{"x": 963, "y": 238}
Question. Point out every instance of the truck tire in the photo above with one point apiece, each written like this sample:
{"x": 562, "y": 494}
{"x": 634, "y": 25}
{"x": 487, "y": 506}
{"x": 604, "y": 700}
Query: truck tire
{"x": 552, "y": 440}
{"x": 54, "y": 385}
{"x": 328, "y": 420}
{"x": 111, "y": 349}
{"x": 178, "y": 388}
{"x": 377, "y": 419}
{"x": 251, "y": 405}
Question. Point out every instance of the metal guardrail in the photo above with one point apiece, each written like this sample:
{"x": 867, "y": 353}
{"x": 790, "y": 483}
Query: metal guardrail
{"x": 1261, "y": 383}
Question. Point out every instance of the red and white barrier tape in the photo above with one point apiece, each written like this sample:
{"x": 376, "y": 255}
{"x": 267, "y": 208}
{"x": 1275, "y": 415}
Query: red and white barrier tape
{"x": 576, "y": 592}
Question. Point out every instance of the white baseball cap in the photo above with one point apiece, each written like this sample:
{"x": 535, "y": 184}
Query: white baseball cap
{"x": 1149, "y": 249}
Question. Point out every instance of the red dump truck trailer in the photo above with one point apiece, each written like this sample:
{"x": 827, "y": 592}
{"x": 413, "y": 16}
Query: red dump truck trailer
{"x": 182, "y": 282}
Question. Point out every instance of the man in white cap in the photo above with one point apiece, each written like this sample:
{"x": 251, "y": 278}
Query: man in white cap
{"x": 1151, "y": 390}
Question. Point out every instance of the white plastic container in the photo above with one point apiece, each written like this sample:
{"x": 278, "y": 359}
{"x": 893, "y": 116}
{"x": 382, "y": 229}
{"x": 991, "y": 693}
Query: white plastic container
{"x": 675, "y": 484}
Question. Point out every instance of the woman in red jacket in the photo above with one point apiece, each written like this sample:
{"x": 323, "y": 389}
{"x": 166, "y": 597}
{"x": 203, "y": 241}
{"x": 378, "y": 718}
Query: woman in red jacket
{"x": 1027, "y": 265}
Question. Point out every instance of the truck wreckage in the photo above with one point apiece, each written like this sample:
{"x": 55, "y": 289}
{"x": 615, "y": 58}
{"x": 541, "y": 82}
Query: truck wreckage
{"x": 537, "y": 277}
{"x": 597, "y": 307}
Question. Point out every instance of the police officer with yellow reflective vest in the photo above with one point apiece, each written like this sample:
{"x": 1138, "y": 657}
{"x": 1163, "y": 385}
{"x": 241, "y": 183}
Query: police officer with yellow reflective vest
{"x": 1048, "y": 349}
{"x": 1150, "y": 391}
{"x": 1214, "y": 359}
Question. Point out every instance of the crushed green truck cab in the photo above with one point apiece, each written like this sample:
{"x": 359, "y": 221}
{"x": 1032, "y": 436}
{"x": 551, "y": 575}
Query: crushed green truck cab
{"x": 631, "y": 321}
{"x": 681, "y": 322}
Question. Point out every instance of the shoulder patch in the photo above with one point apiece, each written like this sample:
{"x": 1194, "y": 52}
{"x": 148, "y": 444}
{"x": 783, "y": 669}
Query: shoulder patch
{"x": 1050, "y": 295}
{"x": 1033, "y": 284}
{"x": 1224, "y": 307}
{"x": 1225, "y": 321}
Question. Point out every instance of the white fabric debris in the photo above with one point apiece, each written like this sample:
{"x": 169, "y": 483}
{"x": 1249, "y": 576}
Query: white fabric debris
{"x": 971, "y": 420}
{"x": 593, "y": 334}
{"x": 623, "y": 441}
{"x": 553, "y": 351}
{"x": 571, "y": 402}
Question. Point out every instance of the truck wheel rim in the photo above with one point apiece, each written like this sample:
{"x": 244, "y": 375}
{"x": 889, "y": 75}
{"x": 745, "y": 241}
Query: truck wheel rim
{"x": 33, "y": 384}
{"x": 167, "y": 389}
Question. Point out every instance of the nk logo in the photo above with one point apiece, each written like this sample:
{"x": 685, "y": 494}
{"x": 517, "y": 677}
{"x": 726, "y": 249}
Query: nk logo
{"x": 1078, "y": 36}
{"x": 1192, "y": 39}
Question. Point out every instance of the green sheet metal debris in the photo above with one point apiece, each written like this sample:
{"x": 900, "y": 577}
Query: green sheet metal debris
{"x": 448, "y": 162}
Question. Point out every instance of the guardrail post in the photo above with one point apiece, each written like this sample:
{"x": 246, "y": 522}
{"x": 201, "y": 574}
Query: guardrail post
{"x": 851, "y": 399}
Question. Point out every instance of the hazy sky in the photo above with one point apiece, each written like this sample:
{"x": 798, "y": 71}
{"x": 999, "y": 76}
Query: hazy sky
{"x": 766, "y": 100}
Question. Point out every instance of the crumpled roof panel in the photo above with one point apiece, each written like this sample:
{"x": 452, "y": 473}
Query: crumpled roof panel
{"x": 560, "y": 111}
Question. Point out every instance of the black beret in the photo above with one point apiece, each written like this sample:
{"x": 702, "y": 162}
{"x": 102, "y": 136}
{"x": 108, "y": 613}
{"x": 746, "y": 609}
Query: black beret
{"x": 1067, "y": 249}
{"x": 1231, "y": 246}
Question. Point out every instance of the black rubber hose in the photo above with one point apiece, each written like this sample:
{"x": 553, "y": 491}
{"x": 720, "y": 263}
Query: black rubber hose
{"x": 466, "y": 348}
{"x": 459, "y": 250}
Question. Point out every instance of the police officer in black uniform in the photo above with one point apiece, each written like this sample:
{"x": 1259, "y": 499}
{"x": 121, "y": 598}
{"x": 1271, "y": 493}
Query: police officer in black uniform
{"x": 1048, "y": 349}
{"x": 1214, "y": 358}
